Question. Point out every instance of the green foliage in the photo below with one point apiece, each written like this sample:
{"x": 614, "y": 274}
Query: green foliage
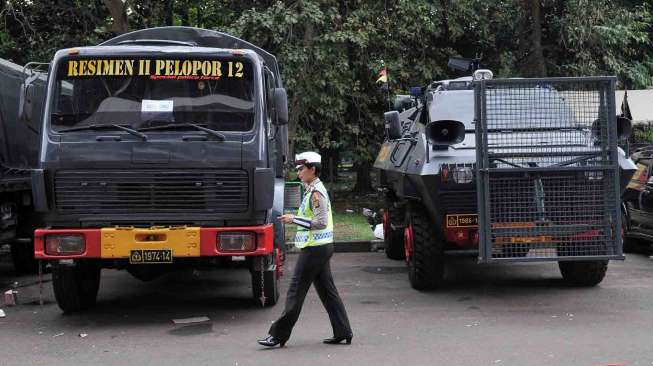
{"x": 330, "y": 51}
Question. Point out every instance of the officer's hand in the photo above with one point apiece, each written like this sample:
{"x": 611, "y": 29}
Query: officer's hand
{"x": 287, "y": 218}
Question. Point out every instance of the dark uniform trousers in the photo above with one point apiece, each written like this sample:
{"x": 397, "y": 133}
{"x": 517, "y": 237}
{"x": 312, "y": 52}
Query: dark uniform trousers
{"x": 312, "y": 267}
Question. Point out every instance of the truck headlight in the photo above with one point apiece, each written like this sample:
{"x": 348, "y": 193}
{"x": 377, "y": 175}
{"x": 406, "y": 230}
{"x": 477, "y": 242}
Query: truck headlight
{"x": 462, "y": 175}
{"x": 237, "y": 241}
{"x": 64, "y": 244}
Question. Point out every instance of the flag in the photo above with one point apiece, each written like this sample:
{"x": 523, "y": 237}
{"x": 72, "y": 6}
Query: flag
{"x": 625, "y": 108}
{"x": 383, "y": 76}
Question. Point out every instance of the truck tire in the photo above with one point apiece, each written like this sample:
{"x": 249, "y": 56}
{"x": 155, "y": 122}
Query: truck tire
{"x": 270, "y": 287}
{"x": 393, "y": 239}
{"x": 22, "y": 256}
{"x": 583, "y": 273}
{"x": 424, "y": 251}
{"x": 76, "y": 287}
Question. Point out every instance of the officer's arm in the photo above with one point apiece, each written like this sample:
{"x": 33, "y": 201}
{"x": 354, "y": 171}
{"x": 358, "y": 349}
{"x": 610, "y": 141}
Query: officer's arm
{"x": 320, "y": 211}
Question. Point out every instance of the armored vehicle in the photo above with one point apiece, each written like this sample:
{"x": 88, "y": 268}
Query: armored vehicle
{"x": 161, "y": 148}
{"x": 507, "y": 170}
{"x": 19, "y": 145}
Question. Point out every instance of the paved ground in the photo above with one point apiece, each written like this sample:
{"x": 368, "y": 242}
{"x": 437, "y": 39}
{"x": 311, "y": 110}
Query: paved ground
{"x": 486, "y": 315}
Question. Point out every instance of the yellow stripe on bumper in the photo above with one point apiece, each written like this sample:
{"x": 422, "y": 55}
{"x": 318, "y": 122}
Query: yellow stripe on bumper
{"x": 118, "y": 242}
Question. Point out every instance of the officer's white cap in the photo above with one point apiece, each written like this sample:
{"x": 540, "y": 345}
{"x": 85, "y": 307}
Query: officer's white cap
{"x": 307, "y": 157}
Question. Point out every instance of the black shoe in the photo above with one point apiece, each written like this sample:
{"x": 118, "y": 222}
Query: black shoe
{"x": 337, "y": 340}
{"x": 270, "y": 341}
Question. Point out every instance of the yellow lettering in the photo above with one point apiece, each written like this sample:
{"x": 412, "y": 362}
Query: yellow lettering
{"x": 217, "y": 68}
{"x": 72, "y": 68}
{"x": 141, "y": 67}
{"x": 147, "y": 67}
{"x": 186, "y": 68}
{"x": 231, "y": 69}
{"x": 206, "y": 68}
{"x": 112, "y": 68}
{"x": 176, "y": 72}
{"x": 169, "y": 67}
{"x": 91, "y": 67}
{"x": 160, "y": 65}
{"x": 196, "y": 67}
{"x": 239, "y": 69}
{"x": 130, "y": 67}
{"x": 82, "y": 67}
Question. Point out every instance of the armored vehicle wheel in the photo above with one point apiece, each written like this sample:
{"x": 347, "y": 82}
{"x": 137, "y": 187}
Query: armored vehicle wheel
{"x": 76, "y": 287}
{"x": 424, "y": 251}
{"x": 22, "y": 256}
{"x": 583, "y": 273}
{"x": 267, "y": 283}
{"x": 393, "y": 239}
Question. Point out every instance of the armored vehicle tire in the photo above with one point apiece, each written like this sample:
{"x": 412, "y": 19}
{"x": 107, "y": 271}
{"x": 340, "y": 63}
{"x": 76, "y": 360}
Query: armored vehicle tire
{"x": 22, "y": 256}
{"x": 583, "y": 273}
{"x": 393, "y": 239}
{"x": 76, "y": 287}
{"x": 424, "y": 251}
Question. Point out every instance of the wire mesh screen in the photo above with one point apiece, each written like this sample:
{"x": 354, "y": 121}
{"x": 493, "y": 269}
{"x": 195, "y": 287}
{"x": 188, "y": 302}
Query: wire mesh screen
{"x": 547, "y": 169}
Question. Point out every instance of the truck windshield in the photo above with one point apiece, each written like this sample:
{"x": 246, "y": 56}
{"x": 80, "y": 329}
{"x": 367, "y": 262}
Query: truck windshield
{"x": 217, "y": 93}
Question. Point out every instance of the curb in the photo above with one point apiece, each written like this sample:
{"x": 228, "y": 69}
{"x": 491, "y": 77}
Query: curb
{"x": 365, "y": 246}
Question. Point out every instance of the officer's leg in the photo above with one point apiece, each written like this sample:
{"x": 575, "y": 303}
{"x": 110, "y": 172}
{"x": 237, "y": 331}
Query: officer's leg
{"x": 328, "y": 293}
{"x": 305, "y": 270}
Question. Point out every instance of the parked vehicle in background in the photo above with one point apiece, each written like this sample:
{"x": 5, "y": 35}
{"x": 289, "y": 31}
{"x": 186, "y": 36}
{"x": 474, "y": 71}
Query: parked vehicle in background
{"x": 637, "y": 218}
{"x": 19, "y": 145}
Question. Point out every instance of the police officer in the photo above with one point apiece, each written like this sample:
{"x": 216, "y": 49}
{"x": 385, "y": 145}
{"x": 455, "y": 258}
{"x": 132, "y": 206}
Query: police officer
{"x": 315, "y": 239}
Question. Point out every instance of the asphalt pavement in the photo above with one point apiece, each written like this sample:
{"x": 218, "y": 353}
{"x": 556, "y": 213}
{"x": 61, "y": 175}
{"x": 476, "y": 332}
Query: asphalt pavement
{"x": 508, "y": 314}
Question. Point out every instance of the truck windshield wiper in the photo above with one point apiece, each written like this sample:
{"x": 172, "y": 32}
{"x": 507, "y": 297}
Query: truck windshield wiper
{"x": 172, "y": 126}
{"x": 107, "y": 126}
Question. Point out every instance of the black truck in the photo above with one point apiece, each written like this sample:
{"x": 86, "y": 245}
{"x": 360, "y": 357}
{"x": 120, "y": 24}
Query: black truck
{"x": 19, "y": 146}
{"x": 161, "y": 148}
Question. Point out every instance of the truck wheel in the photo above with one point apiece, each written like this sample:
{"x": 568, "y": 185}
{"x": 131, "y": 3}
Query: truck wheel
{"x": 22, "y": 256}
{"x": 76, "y": 287}
{"x": 393, "y": 239}
{"x": 424, "y": 252}
{"x": 583, "y": 273}
{"x": 269, "y": 285}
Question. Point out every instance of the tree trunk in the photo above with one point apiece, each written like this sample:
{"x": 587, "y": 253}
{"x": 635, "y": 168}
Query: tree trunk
{"x": 168, "y": 12}
{"x": 530, "y": 46}
{"x": 118, "y": 11}
{"x": 363, "y": 179}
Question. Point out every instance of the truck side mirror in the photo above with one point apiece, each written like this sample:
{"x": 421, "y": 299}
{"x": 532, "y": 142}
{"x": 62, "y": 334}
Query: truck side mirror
{"x": 25, "y": 102}
{"x": 281, "y": 106}
{"x": 392, "y": 124}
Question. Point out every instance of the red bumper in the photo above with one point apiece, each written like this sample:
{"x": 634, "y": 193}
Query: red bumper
{"x": 208, "y": 242}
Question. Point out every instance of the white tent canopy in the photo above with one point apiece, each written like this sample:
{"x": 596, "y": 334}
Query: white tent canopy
{"x": 640, "y": 102}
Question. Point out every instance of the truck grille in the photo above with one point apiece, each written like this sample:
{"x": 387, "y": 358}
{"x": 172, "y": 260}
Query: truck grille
{"x": 160, "y": 191}
{"x": 454, "y": 202}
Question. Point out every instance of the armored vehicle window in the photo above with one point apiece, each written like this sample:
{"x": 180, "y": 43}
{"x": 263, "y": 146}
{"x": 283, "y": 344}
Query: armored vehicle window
{"x": 146, "y": 92}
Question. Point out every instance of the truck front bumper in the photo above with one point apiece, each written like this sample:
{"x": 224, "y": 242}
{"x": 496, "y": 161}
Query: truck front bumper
{"x": 184, "y": 242}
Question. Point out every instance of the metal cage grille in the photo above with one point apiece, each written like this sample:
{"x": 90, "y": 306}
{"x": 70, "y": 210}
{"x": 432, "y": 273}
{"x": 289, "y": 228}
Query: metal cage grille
{"x": 547, "y": 169}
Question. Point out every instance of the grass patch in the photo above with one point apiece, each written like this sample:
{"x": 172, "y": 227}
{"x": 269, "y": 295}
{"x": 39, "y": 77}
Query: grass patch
{"x": 347, "y": 227}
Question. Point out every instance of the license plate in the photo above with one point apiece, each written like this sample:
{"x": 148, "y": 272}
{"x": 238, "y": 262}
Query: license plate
{"x": 463, "y": 220}
{"x": 145, "y": 256}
